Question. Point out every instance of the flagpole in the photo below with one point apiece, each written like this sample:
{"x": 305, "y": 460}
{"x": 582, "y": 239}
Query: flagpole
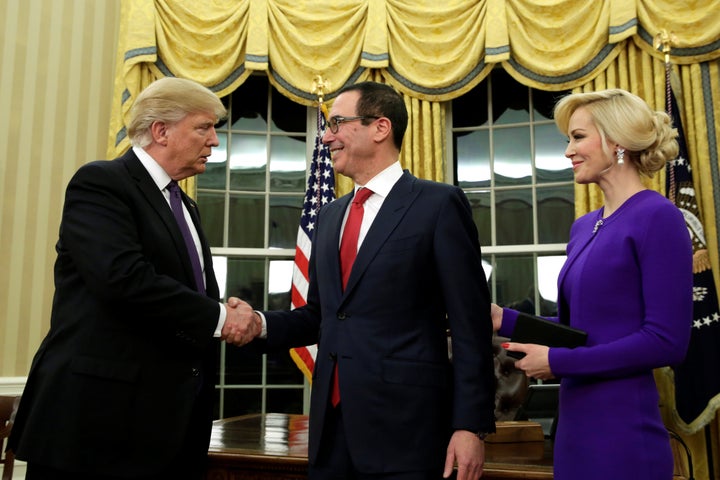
{"x": 318, "y": 88}
{"x": 320, "y": 191}
{"x": 664, "y": 41}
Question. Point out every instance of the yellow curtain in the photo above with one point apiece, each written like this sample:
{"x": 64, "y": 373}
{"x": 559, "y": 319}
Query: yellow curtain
{"x": 427, "y": 49}
{"x": 434, "y": 52}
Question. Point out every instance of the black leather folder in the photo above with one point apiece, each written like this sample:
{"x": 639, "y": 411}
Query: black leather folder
{"x": 533, "y": 329}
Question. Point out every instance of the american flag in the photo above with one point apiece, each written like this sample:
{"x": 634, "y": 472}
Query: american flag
{"x": 320, "y": 191}
{"x": 697, "y": 379}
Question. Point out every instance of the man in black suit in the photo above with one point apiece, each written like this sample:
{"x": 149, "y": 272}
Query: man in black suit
{"x": 122, "y": 385}
{"x": 405, "y": 411}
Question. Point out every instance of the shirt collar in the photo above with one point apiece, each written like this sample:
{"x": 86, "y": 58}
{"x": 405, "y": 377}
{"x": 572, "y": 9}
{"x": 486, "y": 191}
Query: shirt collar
{"x": 159, "y": 176}
{"x": 384, "y": 181}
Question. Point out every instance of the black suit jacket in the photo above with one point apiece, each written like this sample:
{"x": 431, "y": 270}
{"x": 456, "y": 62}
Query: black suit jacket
{"x": 125, "y": 374}
{"x": 417, "y": 271}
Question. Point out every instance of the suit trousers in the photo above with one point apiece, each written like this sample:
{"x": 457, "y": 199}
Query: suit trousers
{"x": 334, "y": 461}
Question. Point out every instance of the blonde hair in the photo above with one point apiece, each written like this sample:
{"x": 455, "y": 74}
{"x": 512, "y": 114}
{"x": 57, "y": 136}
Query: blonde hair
{"x": 647, "y": 136}
{"x": 169, "y": 100}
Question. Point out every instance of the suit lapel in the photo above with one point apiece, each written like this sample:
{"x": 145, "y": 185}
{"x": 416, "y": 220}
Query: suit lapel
{"x": 393, "y": 209}
{"x": 332, "y": 215}
{"x": 159, "y": 204}
{"x": 210, "y": 281}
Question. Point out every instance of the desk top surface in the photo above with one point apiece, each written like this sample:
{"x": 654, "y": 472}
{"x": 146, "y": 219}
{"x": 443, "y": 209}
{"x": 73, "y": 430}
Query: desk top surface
{"x": 285, "y": 437}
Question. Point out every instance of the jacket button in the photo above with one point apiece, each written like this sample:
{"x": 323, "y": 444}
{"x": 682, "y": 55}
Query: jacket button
{"x": 342, "y": 316}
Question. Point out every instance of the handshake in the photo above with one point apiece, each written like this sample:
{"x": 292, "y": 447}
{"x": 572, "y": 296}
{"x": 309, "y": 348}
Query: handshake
{"x": 242, "y": 323}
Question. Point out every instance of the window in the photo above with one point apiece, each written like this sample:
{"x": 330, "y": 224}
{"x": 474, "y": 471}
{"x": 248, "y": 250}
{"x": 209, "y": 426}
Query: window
{"x": 250, "y": 198}
{"x": 506, "y": 154}
{"x": 508, "y": 158}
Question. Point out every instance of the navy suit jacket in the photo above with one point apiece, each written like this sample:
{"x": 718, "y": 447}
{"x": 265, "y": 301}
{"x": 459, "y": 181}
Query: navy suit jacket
{"x": 417, "y": 272}
{"x": 127, "y": 368}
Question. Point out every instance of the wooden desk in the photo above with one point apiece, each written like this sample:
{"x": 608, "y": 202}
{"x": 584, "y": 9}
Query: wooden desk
{"x": 274, "y": 446}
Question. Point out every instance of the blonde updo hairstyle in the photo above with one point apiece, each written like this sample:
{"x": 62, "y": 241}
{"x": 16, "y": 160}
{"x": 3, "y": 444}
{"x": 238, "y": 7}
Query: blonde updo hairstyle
{"x": 647, "y": 136}
{"x": 169, "y": 100}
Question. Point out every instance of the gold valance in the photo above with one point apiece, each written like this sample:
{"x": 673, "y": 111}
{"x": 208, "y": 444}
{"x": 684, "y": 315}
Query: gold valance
{"x": 429, "y": 50}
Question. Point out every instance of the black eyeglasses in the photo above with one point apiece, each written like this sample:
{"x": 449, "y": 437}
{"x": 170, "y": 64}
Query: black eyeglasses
{"x": 334, "y": 122}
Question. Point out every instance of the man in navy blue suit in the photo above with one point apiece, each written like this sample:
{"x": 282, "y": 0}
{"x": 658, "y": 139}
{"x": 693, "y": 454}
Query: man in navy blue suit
{"x": 405, "y": 410}
{"x": 122, "y": 385}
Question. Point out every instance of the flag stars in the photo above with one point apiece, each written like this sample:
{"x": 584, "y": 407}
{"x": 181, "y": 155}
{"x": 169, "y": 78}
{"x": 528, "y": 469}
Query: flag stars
{"x": 679, "y": 161}
{"x": 706, "y": 321}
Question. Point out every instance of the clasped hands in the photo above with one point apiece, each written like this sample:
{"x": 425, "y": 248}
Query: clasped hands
{"x": 242, "y": 323}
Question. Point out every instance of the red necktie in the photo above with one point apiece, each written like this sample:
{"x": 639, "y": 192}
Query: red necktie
{"x": 348, "y": 252}
{"x": 349, "y": 242}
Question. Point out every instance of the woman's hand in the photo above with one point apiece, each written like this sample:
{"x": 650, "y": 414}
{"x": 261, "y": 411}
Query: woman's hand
{"x": 535, "y": 363}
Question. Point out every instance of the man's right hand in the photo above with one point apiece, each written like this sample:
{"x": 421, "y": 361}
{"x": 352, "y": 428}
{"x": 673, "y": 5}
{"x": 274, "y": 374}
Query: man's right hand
{"x": 242, "y": 323}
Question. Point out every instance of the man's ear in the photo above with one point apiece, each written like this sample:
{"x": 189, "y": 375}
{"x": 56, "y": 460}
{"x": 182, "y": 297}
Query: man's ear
{"x": 383, "y": 128}
{"x": 159, "y": 132}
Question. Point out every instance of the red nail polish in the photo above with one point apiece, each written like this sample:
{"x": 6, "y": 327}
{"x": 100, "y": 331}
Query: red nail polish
{"x": 505, "y": 345}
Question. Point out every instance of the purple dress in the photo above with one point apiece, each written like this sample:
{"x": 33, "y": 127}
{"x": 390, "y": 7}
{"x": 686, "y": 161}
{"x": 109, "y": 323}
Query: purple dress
{"x": 627, "y": 281}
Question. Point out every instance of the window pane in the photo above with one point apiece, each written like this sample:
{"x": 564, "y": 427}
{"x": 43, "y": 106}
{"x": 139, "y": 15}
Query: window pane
{"x": 512, "y": 163}
{"x": 220, "y": 265}
{"x": 556, "y": 213}
{"x": 510, "y": 99}
{"x": 285, "y": 400}
{"x": 215, "y": 168}
{"x": 514, "y": 221}
{"x": 250, "y": 105}
{"x": 242, "y": 367}
{"x": 550, "y": 162}
{"x": 287, "y": 164}
{"x": 471, "y": 110}
{"x": 548, "y": 268}
{"x": 242, "y": 401}
{"x": 246, "y": 225}
{"x": 279, "y": 284}
{"x": 282, "y": 370}
{"x": 212, "y": 211}
{"x": 472, "y": 158}
{"x": 544, "y": 103}
{"x": 480, "y": 204}
{"x": 287, "y": 116}
{"x": 248, "y": 159}
{"x": 246, "y": 280}
{"x": 285, "y": 214}
{"x": 515, "y": 281}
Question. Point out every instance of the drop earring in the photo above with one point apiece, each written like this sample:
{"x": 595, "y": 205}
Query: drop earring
{"x": 621, "y": 156}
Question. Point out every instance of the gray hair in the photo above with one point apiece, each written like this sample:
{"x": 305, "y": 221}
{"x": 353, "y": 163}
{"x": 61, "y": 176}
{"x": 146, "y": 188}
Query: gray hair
{"x": 169, "y": 100}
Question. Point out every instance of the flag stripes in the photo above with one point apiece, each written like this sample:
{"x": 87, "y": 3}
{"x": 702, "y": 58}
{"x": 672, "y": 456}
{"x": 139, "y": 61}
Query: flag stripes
{"x": 320, "y": 191}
